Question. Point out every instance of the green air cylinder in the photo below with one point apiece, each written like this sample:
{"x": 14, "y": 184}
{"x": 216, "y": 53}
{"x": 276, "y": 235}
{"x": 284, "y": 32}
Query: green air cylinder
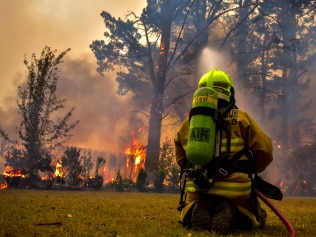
{"x": 200, "y": 148}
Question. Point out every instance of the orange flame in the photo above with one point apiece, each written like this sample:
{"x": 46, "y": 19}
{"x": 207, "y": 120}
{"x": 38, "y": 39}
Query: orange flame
{"x": 59, "y": 169}
{"x": 4, "y": 185}
{"x": 10, "y": 172}
{"x": 135, "y": 157}
{"x": 281, "y": 183}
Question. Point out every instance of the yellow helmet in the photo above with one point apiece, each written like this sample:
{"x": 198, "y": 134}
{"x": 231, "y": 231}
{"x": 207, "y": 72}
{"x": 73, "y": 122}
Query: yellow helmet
{"x": 221, "y": 82}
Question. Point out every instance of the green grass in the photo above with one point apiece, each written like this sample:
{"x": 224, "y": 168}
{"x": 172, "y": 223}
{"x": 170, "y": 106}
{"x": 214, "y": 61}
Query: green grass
{"x": 99, "y": 213}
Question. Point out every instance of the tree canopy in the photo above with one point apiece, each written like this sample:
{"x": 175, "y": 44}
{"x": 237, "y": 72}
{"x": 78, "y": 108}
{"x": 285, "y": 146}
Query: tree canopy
{"x": 156, "y": 58}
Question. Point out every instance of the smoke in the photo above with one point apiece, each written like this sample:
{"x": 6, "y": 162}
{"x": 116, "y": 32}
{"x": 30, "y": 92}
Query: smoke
{"x": 212, "y": 58}
{"x": 105, "y": 122}
{"x": 28, "y": 26}
{"x": 221, "y": 60}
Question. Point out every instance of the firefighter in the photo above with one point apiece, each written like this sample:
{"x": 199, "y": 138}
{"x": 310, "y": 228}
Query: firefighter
{"x": 229, "y": 203}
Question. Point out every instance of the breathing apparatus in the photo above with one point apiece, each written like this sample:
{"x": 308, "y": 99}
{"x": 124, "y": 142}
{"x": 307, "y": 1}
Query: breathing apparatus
{"x": 206, "y": 121}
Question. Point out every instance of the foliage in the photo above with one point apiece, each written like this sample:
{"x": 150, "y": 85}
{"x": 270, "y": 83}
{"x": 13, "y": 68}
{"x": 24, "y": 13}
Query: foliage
{"x": 159, "y": 179}
{"x": 15, "y": 158}
{"x": 299, "y": 171}
{"x": 72, "y": 162}
{"x": 143, "y": 48}
{"x": 166, "y": 169}
{"x": 128, "y": 185}
{"x": 96, "y": 213}
{"x": 87, "y": 165}
{"x": 96, "y": 182}
{"x": 167, "y": 162}
{"x": 141, "y": 180}
{"x": 40, "y": 130}
{"x": 268, "y": 42}
{"x": 119, "y": 186}
{"x": 175, "y": 176}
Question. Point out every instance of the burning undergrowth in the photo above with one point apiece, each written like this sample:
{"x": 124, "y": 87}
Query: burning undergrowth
{"x": 85, "y": 170}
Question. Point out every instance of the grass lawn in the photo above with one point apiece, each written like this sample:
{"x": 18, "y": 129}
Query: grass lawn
{"x": 55, "y": 213}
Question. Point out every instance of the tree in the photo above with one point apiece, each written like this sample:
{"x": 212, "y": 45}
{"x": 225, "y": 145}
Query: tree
{"x": 72, "y": 162}
{"x": 163, "y": 44}
{"x": 141, "y": 180}
{"x": 159, "y": 179}
{"x": 299, "y": 173}
{"x": 167, "y": 162}
{"x": 271, "y": 50}
{"x": 119, "y": 182}
{"x": 142, "y": 50}
{"x": 39, "y": 130}
{"x": 15, "y": 158}
{"x": 87, "y": 165}
{"x": 270, "y": 44}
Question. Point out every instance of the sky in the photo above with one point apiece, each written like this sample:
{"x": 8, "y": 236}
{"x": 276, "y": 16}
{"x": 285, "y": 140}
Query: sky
{"x": 27, "y": 27}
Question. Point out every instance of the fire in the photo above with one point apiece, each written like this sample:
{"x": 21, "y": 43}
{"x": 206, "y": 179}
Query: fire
{"x": 278, "y": 144}
{"x": 59, "y": 172}
{"x": 4, "y": 185}
{"x": 135, "y": 158}
{"x": 12, "y": 175}
{"x": 10, "y": 172}
{"x": 281, "y": 183}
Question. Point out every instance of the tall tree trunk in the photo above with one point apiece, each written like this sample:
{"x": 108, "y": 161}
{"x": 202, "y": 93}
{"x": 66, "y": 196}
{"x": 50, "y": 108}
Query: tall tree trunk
{"x": 290, "y": 101}
{"x": 155, "y": 121}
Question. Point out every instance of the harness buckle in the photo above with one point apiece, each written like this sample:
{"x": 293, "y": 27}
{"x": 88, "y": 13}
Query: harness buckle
{"x": 223, "y": 171}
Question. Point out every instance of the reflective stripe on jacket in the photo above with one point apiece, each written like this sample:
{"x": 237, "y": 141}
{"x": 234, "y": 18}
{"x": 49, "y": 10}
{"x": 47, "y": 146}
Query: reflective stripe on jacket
{"x": 236, "y": 144}
{"x": 237, "y": 185}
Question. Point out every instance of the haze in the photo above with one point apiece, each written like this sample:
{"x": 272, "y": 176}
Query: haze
{"x": 28, "y": 26}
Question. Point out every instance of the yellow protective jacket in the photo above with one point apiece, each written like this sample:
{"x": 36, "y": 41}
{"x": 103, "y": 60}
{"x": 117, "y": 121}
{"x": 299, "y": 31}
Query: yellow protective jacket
{"x": 245, "y": 133}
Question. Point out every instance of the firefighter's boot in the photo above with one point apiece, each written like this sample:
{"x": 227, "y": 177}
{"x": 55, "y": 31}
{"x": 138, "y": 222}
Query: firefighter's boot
{"x": 201, "y": 218}
{"x": 222, "y": 218}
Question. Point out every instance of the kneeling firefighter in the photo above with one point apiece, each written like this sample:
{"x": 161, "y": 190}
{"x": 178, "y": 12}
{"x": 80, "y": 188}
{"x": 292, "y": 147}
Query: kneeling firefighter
{"x": 219, "y": 147}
